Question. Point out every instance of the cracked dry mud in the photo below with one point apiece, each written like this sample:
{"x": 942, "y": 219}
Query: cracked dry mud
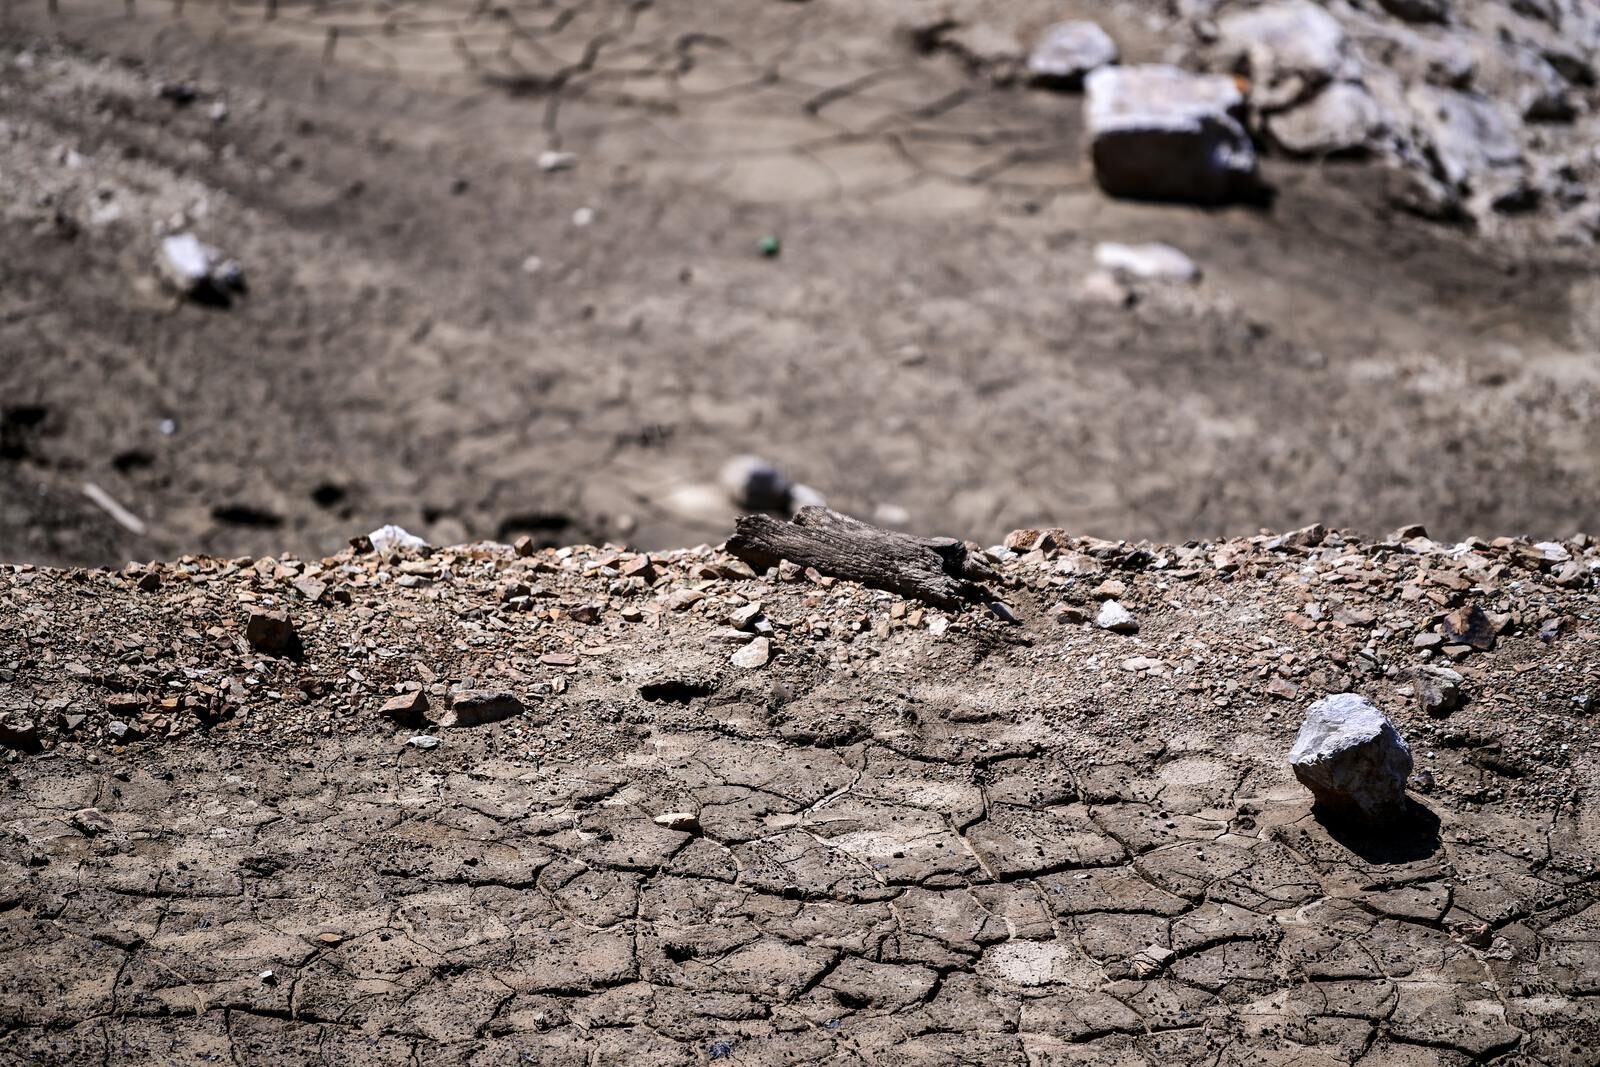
{"x": 921, "y": 838}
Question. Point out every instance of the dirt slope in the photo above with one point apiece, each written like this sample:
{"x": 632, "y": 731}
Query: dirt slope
{"x": 906, "y": 837}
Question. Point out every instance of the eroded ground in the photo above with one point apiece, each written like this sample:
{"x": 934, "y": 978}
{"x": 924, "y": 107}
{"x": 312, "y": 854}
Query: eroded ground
{"x": 917, "y": 838}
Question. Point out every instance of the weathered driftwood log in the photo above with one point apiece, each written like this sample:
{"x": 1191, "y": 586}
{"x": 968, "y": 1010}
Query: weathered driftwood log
{"x": 935, "y": 570}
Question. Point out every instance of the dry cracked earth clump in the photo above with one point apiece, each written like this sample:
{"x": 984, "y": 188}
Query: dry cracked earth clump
{"x": 245, "y": 820}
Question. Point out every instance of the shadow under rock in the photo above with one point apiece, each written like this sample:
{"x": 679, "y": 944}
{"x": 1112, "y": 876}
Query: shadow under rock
{"x": 1410, "y": 835}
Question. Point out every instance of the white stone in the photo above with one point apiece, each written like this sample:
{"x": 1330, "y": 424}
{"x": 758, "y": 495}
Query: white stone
{"x": 1351, "y": 757}
{"x": 1150, "y": 261}
{"x": 686, "y": 822}
{"x": 1069, "y": 50}
{"x": 1341, "y": 118}
{"x": 1116, "y": 618}
{"x": 554, "y": 161}
{"x": 185, "y": 262}
{"x": 423, "y": 741}
{"x": 387, "y": 539}
{"x": 1160, "y": 133}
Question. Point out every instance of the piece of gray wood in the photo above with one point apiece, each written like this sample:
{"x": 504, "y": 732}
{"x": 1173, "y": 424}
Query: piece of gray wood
{"x": 935, "y": 570}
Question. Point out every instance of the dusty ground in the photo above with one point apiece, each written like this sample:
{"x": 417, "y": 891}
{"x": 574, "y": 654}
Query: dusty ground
{"x": 924, "y": 341}
{"x": 917, "y": 838}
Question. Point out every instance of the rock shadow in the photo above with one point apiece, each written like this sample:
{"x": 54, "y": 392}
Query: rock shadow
{"x": 1405, "y": 837}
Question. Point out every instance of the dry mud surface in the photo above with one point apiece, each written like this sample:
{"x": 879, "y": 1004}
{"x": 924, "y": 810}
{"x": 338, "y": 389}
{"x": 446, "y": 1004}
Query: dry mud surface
{"x": 926, "y": 342}
{"x": 915, "y": 837}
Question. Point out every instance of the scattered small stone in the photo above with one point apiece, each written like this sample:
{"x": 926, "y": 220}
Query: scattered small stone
{"x": 196, "y": 270}
{"x": 310, "y": 588}
{"x": 149, "y": 582}
{"x": 91, "y": 822}
{"x": 329, "y": 937}
{"x": 1068, "y": 614}
{"x": 1351, "y": 757}
{"x": 408, "y": 709}
{"x": 745, "y": 616}
{"x": 422, "y": 741}
{"x": 1282, "y": 689}
{"x": 269, "y": 631}
{"x": 476, "y": 707}
{"x": 1110, "y": 589}
{"x": 1150, "y": 960}
{"x": 755, "y": 654}
{"x": 559, "y": 659}
{"x": 1067, "y": 51}
{"x": 1116, "y": 618}
{"x": 686, "y": 822}
{"x": 1438, "y": 690}
{"x": 1150, "y": 262}
{"x": 1469, "y": 626}
{"x": 551, "y": 161}
{"x": 755, "y": 484}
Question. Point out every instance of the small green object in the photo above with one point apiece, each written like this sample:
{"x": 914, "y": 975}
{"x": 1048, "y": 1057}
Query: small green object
{"x": 771, "y": 246}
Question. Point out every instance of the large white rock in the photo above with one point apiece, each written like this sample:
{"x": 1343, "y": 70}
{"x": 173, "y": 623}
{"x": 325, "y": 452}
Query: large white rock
{"x": 1153, "y": 261}
{"x": 1160, "y": 133}
{"x": 1068, "y": 51}
{"x": 1342, "y": 118}
{"x": 1290, "y": 47}
{"x": 1351, "y": 757}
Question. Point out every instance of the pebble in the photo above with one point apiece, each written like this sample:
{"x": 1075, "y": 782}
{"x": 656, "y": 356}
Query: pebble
{"x": 476, "y": 707}
{"x": 551, "y": 161}
{"x": 1149, "y": 262}
{"x": 270, "y": 631}
{"x": 683, "y": 821}
{"x": 755, "y": 654}
{"x": 407, "y": 708}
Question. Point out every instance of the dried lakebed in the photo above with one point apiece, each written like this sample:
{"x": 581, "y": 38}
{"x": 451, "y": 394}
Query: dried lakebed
{"x": 913, "y": 836}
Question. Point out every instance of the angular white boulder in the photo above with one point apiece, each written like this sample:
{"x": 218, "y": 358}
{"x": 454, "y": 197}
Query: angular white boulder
{"x": 1160, "y": 133}
{"x": 1068, "y": 51}
{"x": 1352, "y": 758}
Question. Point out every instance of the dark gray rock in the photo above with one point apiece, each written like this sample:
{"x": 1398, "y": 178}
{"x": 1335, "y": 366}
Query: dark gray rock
{"x": 1160, "y": 133}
